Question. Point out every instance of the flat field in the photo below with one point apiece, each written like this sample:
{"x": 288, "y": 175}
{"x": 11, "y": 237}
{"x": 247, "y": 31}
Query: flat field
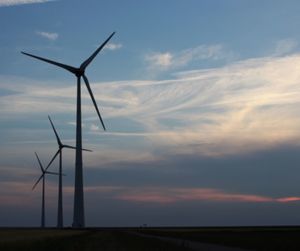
{"x": 137, "y": 239}
{"x": 79, "y": 240}
{"x": 252, "y": 238}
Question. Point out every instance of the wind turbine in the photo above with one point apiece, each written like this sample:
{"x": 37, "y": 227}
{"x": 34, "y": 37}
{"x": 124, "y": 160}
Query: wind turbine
{"x": 59, "y": 151}
{"x": 78, "y": 213}
{"x": 44, "y": 172}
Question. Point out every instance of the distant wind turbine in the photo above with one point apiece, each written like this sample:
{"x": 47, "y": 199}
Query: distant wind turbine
{"x": 44, "y": 172}
{"x": 60, "y": 196}
{"x": 78, "y": 214}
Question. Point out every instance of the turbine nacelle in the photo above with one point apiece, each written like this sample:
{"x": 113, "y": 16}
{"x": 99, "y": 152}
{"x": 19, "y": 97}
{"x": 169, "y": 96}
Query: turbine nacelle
{"x": 44, "y": 171}
{"x": 80, "y": 72}
{"x": 60, "y": 145}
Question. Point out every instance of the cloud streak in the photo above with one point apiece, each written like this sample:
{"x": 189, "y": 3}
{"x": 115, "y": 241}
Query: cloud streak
{"x": 285, "y": 46}
{"x": 5, "y": 3}
{"x": 162, "y": 61}
{"x": 113, "y": 46}
{"x": 163, "y": 195}
{"x": 13, "y": 193}
{"x": 245, "y": 106}
{"x": 49, "y": 35}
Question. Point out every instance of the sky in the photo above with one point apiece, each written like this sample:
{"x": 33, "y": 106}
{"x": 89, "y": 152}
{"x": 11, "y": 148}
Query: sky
{"x": 200, "y": 100}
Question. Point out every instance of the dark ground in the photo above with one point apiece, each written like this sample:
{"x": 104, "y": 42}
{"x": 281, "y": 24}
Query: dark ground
{"x": 254, "y": 238}
{"x": 79, "y": 240}
{"x": 123, "y": 239}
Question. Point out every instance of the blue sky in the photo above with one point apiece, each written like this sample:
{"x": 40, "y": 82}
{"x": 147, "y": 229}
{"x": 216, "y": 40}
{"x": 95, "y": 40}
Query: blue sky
{"x": 200, "y": 99}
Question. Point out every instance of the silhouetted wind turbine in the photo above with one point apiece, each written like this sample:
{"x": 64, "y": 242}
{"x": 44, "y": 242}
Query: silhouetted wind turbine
{"x": 44, "y": 172}
{"x": 60, "y": 195}
{"x": 78, "y": 216}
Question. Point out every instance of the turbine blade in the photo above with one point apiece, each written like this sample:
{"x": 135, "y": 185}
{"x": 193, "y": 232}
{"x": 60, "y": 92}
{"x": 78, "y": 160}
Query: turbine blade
{"x": 53, "y": 158}
{"x": 55, "y": 132}
{"x": 73, "y": 147}
{"x": 90, "y": 59}
{"x": 37, "y": 181}
{"x": 51, "y": 173}
{"x": 64, "y": 66}
{"x": 41, "y": 166}
{"x": 86, "y": 150}
{"x": 93, "y": 99}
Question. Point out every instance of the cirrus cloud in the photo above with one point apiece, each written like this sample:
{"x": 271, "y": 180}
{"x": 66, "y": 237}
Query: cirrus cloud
{"x": 285, "y": 46}
{"x": 113, "y": 46}
{"x": 4, "y": 3}
{"x": 161, "y": 61}
{"x": 49, "y": 35}
{"x": 166, "y": 195}
{"x": 245, "y": 106}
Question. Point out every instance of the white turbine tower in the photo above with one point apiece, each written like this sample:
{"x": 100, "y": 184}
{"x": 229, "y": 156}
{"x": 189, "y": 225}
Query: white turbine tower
{"x": 44, "y": 172}
{"x": 78, "y": 214}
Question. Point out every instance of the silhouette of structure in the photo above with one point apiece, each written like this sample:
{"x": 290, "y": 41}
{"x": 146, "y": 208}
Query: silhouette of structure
{"x": 44, "y": 172}
{"x": 78, "y": 214}
{"x": 60, "y": 194}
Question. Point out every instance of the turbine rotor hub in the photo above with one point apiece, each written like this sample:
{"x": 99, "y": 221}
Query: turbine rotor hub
{"x": 79, "y": 72}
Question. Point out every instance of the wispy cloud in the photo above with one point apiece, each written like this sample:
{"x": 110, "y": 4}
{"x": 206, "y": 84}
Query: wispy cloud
{"x": 285, "y": 46}
{"x": 94, "y": 127}
{"x": 13, "y": 192}
{"x": 49, "y": 35}
{"x": 160, "y": 59}
{"x": 4, "y": 3}
{"x": 246, "y": 106}
{"x": 113, "y": 47}
{"x": 163, "y": 195}
{"x": 168, "y": 60}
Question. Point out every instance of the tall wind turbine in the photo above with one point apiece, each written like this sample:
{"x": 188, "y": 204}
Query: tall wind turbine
{"x": 78, "y": 214}
{"x": 60, "y": 196}
{"x": 44, "y": 172}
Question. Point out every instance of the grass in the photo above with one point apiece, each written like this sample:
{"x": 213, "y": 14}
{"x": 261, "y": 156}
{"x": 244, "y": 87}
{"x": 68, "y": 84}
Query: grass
{"x": 255, "y": 238}
{"x": 13, "y": 235}
{"x": 79, "y": 240}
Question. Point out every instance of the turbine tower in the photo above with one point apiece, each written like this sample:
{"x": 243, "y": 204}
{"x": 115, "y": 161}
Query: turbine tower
{"x": 44, "y": 172}
{"x": 78, "y": 213}
{"x": 60, "y": 195}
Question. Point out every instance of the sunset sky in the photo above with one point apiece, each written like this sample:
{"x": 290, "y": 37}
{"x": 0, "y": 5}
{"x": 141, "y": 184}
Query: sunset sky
{"x": 201, "y": 100}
